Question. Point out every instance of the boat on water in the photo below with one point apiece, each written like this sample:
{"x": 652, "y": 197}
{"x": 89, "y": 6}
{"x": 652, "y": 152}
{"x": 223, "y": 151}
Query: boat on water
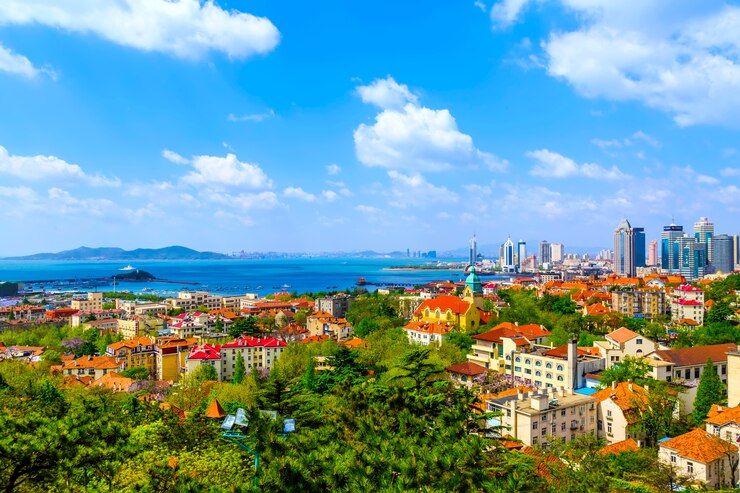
{"x": 128, "y": 267}
{"x": 361, "y": 281}
{"x": 285, "y": 286}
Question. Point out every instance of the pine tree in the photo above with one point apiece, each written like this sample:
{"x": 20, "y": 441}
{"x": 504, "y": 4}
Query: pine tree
{"x": 239, "y": 369}
{"x": 710, "y": 391}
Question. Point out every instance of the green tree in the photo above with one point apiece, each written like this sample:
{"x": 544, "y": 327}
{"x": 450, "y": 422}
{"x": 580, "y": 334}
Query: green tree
{"x": 719, "y": 312}
{"x": 463, "y": 341}
{"x": 300, "y": 317}
{"x": 710, "y": 391}
{"x": 635, "y": 369}
{"x": 246, "y": 326}
{"x": 366, "y": 326}
{"x": 136, "y": 372}
{"x": 218, "y": 326}
{"x": 240, "y": 370}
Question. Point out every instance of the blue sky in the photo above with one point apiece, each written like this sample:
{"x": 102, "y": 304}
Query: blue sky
{"x": 290, "y": 126}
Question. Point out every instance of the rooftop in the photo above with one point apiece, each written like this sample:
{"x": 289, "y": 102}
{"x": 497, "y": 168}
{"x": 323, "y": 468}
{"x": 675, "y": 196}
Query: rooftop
{"x": 700, "y": 446}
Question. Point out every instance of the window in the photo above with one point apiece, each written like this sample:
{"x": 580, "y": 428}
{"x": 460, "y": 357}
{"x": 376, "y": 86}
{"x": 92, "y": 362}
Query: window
{"x": 518, "y": 359}
{"x": 544, "y": 417}
{"x": 638, "y": 341}
{"x": 549, "y": 365}
{"x": 562, "y": 412}
{"x": 549, "y": 376}
{"x": 690, "y": 467}
{"x": 696, "y": 372}
{"x": 544, "y": 431}
{"x": 560, "y": 367}
{"x": 527, "y": 361}
{"x": 554, "y": 428}
{"x": 724, "y": 369}
{"x": 608, "y": 413}
{"x": 518, "y": 369}
{"x": 609, "y": 428}
{"x": 562, "y": 426}
{"x": 527, "y": 371}
{"x": 538, "y": 363}
{"x": 534, "y": 425}
{"x": 534, "y": 440}
{"x": 560, "y": 378}
{"x": 537, "y": 373}
{"x": 673, "y": 458}
{"x": 687, "y": 373}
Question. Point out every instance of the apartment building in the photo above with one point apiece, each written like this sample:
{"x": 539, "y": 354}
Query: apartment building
{"x": 257, "y": 353}
{"x": 687, "y": 303}
{"x": 724, "y": 422}
{"x": 131, "y": 328}
{"x": 322, "y": 323}
{"x": 191, "y": 300}
{"x": 171, "y": 354}
{"x": 92, "y": 302}
{"x": 336, "y": 305}
{"x": 647, "y": 303}
{"x": 564, "y": 366}
{"x": 688, "y": 363}
{"x": 132, "y": 309}
{"x": 622, "y": 343}
{"x": 620, "y": 408}
{"x": 488, "y": 348}
{"x": 135, "y": 352}
{"x": 540, "y": 418}
{"x": 426, "y": 333}
{"x": 93, "y": 366}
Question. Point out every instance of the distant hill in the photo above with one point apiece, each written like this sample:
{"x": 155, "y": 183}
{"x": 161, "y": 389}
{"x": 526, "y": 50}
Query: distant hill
{"x": 112, "y": 253}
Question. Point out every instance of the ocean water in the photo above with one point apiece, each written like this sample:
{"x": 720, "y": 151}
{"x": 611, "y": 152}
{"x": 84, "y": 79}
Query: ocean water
{"x": 230, "y": 277}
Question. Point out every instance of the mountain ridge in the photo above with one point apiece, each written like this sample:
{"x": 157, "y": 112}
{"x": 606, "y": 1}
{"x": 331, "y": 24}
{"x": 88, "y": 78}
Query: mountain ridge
{"x": 174, "y": 252}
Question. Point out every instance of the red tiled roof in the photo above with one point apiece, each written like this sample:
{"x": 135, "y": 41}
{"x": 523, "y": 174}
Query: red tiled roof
{"x": 720, "y": 415}
{"x": 253, "y": 341}
{"x": 695, "y": 355}
{"x": 700, "y": 446}
{"x": 467, "y": 368}
{"x": 205, "y": 352}
{"x": 445, "y": 303}
{"x": 319, "y": 338}
{"x": 438, "y": 327}
{"x": 562, "y": 352}
{"x": 684, "y": 301}
{"x": 96, "y": 362}
{"x": 688, "y": 288}
{"x": 617, "y": 448}
{"x": 622, "y": 335}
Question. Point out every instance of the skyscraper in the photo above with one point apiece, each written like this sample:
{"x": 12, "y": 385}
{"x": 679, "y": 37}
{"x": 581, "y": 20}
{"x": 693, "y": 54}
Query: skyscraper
{"x": 723, "y": 254}
{"x": 670, "y": 258}
{"x": 639, "y": 247}
{"x": 624, "y": 249}
{"x": 521, "y": 249}
{"x": 473, "y": 254}
{"x": 704, "y": 232}
{"x": 692, "y": 257}
{"x": 545, "y": 257}
{"x": 508, "y": 264}
{"x": 652, "y": 258}
{"x": 557, "y": 252}
{"x": 735, "y": 245}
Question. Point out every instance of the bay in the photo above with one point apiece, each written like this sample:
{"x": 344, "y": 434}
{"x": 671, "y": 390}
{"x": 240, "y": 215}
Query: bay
{"x": 231, "y": 277}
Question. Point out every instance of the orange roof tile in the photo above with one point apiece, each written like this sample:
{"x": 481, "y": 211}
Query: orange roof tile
{"x": 622, "y": 335}
{"x": 96, "y": 362}
{"x": 355, "y": 343}
{"x": 445, "y": 303}
{"x": 720, "y": 415}
{"x": 630, "y": 398}
{"x": 429, "y": 327}
{"x": 114, "y": 381}
{"x": 617, "y": 448}
{"x": 695, "y": 355}
{"x": 700, "y": 446}
{"x": 466, "y": 368}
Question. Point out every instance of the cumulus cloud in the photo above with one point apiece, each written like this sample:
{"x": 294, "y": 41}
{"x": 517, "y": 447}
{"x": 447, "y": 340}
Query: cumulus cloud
{"x": 333, "y": 169}
{"x": 184, "y": 28}
{"x": 226, "y": 171}
{"x": 251, "y": 117}
{"x": 367, "y": 209}
{"x": 413, "y": 137}
{"x": 174, "y": 157}
{"x": 22, "y": 194}
{"x": 415, "y": 190}
{"x": 63, "y": 202}
{"x": 680, "y": 57}
{"x": 247, "y": 201}
{"x": 16, "y": 64}
{"x": 330, "y": 195}
{"x": 41, "y": 168}
{"x": 299, "y": 193}
{"x": 730, "y": 172}
{"x": 387, "y": 93}
{"x": 553, "y": 165}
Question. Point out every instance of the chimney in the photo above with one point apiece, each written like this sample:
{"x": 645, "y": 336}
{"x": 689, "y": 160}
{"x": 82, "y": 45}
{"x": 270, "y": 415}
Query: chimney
{"x": 573, "y": 363}
{"x": 630, "y": 386}
{"x": 614, "y": 385}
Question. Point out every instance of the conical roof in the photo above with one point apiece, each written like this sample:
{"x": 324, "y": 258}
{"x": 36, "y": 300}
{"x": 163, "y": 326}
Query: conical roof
{"x": 473, "y": 281}
{"x": 215, "y": 410}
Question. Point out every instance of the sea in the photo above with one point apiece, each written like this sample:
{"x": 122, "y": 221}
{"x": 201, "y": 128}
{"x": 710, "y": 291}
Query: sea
{"x": 228, "y": 277}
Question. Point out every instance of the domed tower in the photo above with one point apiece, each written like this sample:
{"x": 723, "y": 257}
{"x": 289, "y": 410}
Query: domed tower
{"x": 473, "y": 291}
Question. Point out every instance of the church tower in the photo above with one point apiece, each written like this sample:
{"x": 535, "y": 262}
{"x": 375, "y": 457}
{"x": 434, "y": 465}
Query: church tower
{"x": 473, "y": 292}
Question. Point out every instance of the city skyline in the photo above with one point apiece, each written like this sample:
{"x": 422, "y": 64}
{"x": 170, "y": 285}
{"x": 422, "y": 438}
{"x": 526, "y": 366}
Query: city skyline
{"x": 226, "y": 127}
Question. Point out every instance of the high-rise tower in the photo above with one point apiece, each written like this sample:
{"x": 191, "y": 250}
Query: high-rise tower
{"x": 545, "y": 257}
{"x": 704, "y": 233}
{"x": 521, "y": 252}
{"x": 723, "y": 249}
{"x": 652, "y": 258}
{"x": 624, "y": 249}
{"x": 670, "y": 256}
{"x": 508, "y": 261}
{"x": 640, "y": 247}
{"x": 473, "y": 254}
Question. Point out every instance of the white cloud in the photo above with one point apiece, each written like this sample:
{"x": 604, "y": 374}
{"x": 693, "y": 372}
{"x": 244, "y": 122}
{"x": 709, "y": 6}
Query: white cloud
{"x": 480, "y": 5}
{"x": 299, "y": 193}
{"x": 606, "y": 144}
{"x": 329, "y": 195}
{"x": 678, "y": 57}
{"x": 640, "y": 135}
{"x": 63, "y": 202}
{"x": 367, "y": 209}
{"x": 387, "y": 93}
{"x": 22, "y": 194}
{"x": 554, "y": 165}
{"x": 415, "y": 190}
{"x": 16, "y": 64}
{"x": 333, "y": 169}
{"x": 226, "y": 171}
{"x": 40, "y": 168}
{"x": 345, "y": 192}
{"x": 247, "y": 201}
{"x": 417, "y": 139}
{"x": 506, "y": 12}
{"x": 231, "y": 217}
{"x": 174, "y": 157}
{"x": 730, "y": 172}
{"x": 184, "y": 28}
{"x": 253, "y": 117}
{"x": 706, "y": 180}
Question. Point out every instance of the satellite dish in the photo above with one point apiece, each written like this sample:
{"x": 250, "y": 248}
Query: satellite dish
{"x": 228, "y": 423}
{"x": 241, "y": 418}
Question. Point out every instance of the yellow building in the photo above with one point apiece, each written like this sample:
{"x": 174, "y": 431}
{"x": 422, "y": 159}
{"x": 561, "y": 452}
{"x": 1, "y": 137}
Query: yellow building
{"x": 171, "y": 354}
{"x": 132, "y": 353}
{"x": 94, "y": 301}
{"x": 130, "y": 329}
{"x": 464, "y": 312}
